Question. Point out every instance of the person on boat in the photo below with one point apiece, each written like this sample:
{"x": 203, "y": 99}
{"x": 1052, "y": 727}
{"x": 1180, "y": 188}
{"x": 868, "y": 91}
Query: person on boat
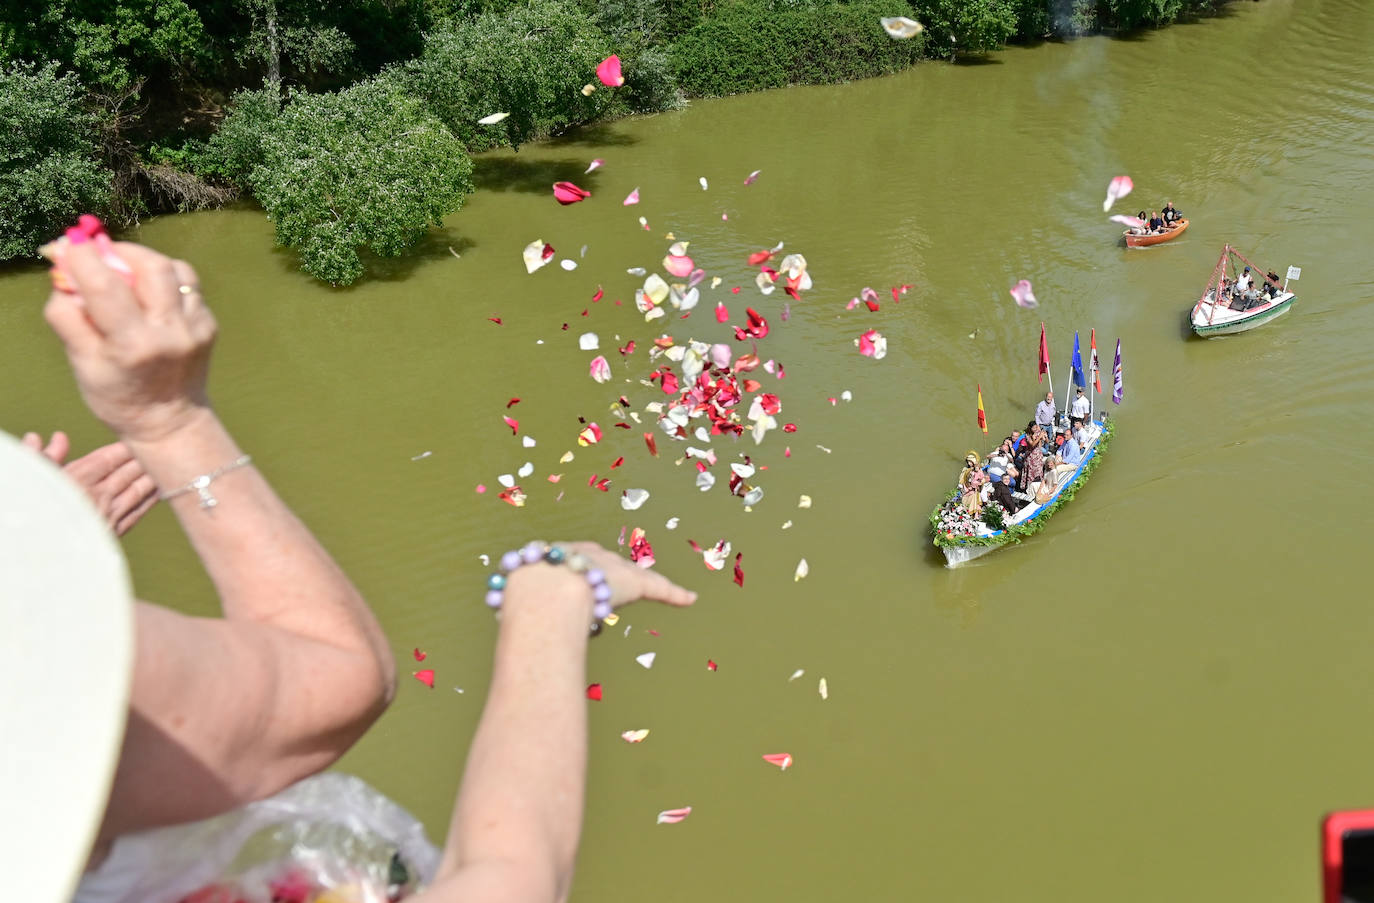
{"x": 1244, "y": 282}
{"x": 1045, "y": 411}
{"x": 1156, "y": 223}
{"x": 1170, "y": 214}
{"x": 1272, "y": 288}
{"x": 1049, "y": 483}
{"x": 1080, "y": 433}
{"x": 1081, "y": 407}
{"x": 1035, "y": 464}
{"x": 1001, "y": 494}
{"x": 1070, "y": 452}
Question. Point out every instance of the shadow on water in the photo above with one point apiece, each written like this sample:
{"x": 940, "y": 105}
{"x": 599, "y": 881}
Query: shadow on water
{"x": 438, "y": 244}
{"x": 982, "y": 59}
{"x": 529, "y": 175}
{"x": 599, "y": 134}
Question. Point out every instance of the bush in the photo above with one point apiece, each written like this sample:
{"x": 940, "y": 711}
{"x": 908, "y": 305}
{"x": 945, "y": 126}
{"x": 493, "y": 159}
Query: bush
{"x": 363, "y": 168}
{"x": 49, "y": 173}
{"x": 750, "y": 46}
{"x": 531, "y": 63}
{"x": 237, "y": 148}
{"x": 975, "y": 26}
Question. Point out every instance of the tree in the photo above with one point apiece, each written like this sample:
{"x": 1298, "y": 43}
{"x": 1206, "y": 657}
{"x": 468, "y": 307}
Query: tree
{"x": 967, "y": 26}
{"x": 49, "y": 173}
{"x": 363, "y": 168}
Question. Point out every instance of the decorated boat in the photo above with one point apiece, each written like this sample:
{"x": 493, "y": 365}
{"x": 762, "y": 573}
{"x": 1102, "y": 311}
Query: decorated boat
{"x": 1238, "y": 311}
{"x": 1146, "y": 239}
{"x": 962, "y": 536}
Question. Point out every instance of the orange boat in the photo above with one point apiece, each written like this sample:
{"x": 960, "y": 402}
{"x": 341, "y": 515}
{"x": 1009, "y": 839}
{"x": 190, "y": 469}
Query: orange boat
{"x": 1144, "y": 241}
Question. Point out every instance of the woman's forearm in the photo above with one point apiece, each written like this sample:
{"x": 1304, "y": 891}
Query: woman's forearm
{"x": 520, "y": 804}
{"x": 267, "y": 567}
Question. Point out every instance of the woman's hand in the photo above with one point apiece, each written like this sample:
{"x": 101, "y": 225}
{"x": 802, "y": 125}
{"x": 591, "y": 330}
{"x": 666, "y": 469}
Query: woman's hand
{"x": 110, "y": 476}
{"x": 628, "y": 581}
{"x": 140, "y": 354}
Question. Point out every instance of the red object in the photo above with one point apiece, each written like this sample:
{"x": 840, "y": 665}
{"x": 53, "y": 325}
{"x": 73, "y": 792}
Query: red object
{"x": 739, "y": 571}
{"x": 599, "y": 295}
{"x": 982, "y": 415}
{"x": 1335, "y": 827}
{"x": 419, "y": 656}
{"x": 757, "y": 328}
{"x": 872, "y": 305}
{"x": 609, "y": 72}
{"x": 594, "y": 692}
{"x": 722, "y": 314}
{"x": 770, "y": 403}
{"x": 1044, "y": 354}
{"x": 782, "y": 760}
{"x": 789, "y": 427}
{"x": 513, "y": 401}
{"x": 567, "y": 193}
{"x": 653, "y": 445}
{"x": 735, "y": 290}
{"x": 513, "y": 424}
{"x": 425, "y": 677}
{"x": 1092, "y": 362}
{"x": 496, "y": 320}
{"x": 617, "y": 462}
{"x": 759, "y": 257}
{"x": 710, "y": 665}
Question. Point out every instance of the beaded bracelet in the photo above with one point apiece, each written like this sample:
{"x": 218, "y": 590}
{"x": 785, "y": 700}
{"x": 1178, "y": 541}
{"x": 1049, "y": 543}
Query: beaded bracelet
{"x": 535, "y": 552}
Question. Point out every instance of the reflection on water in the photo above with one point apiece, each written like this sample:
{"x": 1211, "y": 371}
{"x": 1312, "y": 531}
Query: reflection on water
{"x": 1162, "y": 690}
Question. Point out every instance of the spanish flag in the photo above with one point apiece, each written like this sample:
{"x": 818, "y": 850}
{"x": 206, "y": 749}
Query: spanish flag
{"x": 982, "y": 415}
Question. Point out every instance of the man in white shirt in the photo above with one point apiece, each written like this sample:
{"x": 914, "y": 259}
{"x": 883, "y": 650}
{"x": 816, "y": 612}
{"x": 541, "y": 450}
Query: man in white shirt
{"x": 1244, "y": 282}
{"x": 1081, "y": 408}
{"x": 1080, "y": 432}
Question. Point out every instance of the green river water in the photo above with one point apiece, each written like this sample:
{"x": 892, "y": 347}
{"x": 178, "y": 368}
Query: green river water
{"x": 1155, "y": 698}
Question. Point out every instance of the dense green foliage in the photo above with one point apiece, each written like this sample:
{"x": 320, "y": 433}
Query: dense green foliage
{"x": 364, "y": 168}
{"x": 746, "y": 46}
{"x": 49, "y": 171}
{"x": 146, "y": 105}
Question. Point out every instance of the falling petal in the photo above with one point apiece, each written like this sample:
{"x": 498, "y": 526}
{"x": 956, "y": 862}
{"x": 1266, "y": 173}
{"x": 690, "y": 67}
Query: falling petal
{"x": 567, "y": 193}
{"x": 588, "y": 341}
{"x": 752, "y": 177}
{"x": 645, "y": 223}
{"x": 631, "y": 198}
{"x": 1023, "y": 295}
{"x": 492, "y": 119}
{"x": 425, "y": 677}
{"x": 513, "y": 424}
{"x": 695, "y": 278}
{"x": 600, "y": 369}
{"x": 633, "y": 499}
{"x": 739, "y": 569}
{"x": 672, "y": 523}
{"x": 804, "y": 502}
{"x": 599, "y": 295}
{"x": 590, "y": 435}
{"x": 568, "y": 265}
{"x": 651, "y": 443}
{"x": 872, "y": 344}
{"x": 1118, "y": 188}
{"x": 536, "y": 255}
{"x": 702, "y": 180}
{"x": 722, "y": 313}
{"x": 795, "y": 674}
{"x": 528, "y": 441}
{"x": 711, "y": 665}
{"x": 595, "y": 164}
{"x": 782, "y": 760}
{"x": 594, "y": 692}
{"x": 647, "y": 659}
{"x": 901, "y": 28}
{"x": 481, "y": 489}
{"x": 609, "y": 72}
{"x": 679, "y": 266}
{"x": 673, "y": 816}
{"x": 635, "y": 736}
{"x": 525, "y": 469}
{"x": 1132, "y": 222}
{"x": 419, "y": 656}
{"x": 802, "y": 570}
{"x": 588, "y": 90}
{"x": 507, "y": 480}
{"x": 421, "y": 456}
{"x": 824, "y": 689}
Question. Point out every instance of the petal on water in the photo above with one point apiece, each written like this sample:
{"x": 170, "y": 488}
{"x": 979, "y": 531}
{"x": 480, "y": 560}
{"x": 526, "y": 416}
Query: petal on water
{"x": 425, "y": 677}
{"x": 1022, "y": 294}
{"x": 752, "y": 177}
{"x": 588, "y": 341}
{"x": 782, "y": 760}
{"x": 679, "y": 266}
{"x": 595, "y": 164}
{"x": 647, "y": 659}
{"x": 802, "y": 570}
{"x": 631, "y": 198}
{"x": 567, "y": 193}
{"x": 600, "y": 369}
{"x": 633, "y": 499}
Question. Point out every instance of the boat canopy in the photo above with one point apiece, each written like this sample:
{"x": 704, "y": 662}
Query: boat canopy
{"x": 1211, "y": 293}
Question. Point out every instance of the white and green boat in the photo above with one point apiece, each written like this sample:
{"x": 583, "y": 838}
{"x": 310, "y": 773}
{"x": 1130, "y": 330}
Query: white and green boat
{"x": 1240, "y": 311}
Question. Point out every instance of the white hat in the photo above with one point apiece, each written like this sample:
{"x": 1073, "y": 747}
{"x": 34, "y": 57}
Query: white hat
{"x": 66, "y": 653}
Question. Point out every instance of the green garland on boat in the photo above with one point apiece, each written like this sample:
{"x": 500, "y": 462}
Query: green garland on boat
{"x": 1018, "y": 532}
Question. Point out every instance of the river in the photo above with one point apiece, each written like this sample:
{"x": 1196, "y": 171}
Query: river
{"x": 1157, "y": 697}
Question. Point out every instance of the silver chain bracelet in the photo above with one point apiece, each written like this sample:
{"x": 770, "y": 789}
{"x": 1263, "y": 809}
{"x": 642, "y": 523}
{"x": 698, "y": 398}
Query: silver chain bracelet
{"x": 201, "y": 484}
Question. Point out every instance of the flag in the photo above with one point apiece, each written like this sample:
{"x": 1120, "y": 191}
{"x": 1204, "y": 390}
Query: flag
{"x": 1116, "y": 374}
{"x": 1044, "y": 355}
{"x": 982, "y": 415}
{"x": 1096, "y": 372}
{"x": 1078, "y": 379}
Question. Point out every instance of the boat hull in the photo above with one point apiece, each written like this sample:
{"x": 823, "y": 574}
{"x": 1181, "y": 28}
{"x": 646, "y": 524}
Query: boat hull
{"x": 1252, "y": 319}
{"x": 1145, "y": 241}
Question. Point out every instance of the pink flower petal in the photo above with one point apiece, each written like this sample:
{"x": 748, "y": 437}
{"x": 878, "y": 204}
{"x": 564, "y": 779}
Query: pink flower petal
{"x": 1118, "y": 188}
{"x": 681, "y": 267}
{"x": 722, "y": 313}
{"x": 609, "y": 72}
{"x": 425, "y": 677}
{"x": 752, "y": 177}
{"x": 673, "y": 816}
{"x": 600, "y": 369}
{"x": 695, "y": 278}
{"x": 782, "y": 760}
{"x": 631, "y": 198}
{"x": 1131, "y": 222}
{"x": 567, "y": 193}
{"x": 1021, "y": 291}
{"x": 595, "y": 164}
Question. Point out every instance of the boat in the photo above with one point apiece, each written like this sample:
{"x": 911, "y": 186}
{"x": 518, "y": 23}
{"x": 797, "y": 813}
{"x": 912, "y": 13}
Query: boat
{"x": 973, "y": 538}
{"x": 1145, "y": 240}
{"x": 1232, "y": 315}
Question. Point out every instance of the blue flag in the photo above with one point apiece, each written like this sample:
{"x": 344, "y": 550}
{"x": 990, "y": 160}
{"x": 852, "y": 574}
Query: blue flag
{"x": 1078, "y": 378}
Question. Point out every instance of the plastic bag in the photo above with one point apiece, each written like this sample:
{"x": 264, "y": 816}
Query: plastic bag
{"x": 328, "y": 839}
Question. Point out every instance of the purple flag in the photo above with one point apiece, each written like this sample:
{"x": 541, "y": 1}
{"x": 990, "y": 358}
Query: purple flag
{"x": 1116, "y": 374}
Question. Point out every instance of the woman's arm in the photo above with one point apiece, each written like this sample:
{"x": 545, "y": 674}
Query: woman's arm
{"x": 222, "y": 711}
{"x": 518, "y": 816}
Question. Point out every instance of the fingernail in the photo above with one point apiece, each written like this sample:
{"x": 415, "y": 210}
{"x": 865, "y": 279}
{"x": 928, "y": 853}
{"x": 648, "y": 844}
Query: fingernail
{"x": 77, "y": 236}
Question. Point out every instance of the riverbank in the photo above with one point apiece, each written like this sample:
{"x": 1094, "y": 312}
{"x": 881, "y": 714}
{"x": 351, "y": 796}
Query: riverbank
{"x": 317, "y": 146}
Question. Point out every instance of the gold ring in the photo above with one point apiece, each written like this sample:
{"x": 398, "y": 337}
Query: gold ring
{"x": 186, "y": 288}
